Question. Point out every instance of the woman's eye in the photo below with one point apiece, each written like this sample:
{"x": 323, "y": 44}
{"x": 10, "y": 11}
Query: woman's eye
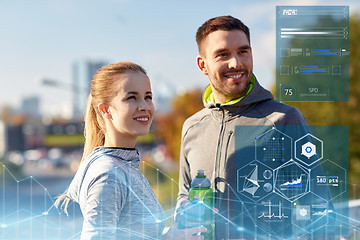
{"x": 148, "y": 97}
{"x": 131, "y": 97}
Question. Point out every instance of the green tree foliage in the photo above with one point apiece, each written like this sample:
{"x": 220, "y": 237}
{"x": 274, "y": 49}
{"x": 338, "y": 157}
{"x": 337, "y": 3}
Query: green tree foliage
{"x": 343, "y": 113}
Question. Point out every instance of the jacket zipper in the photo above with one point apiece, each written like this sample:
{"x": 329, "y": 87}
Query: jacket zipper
{"x": 227, "y": 146}
{"x": 217, "y": 160}
{"x": 218, "y": 152}
{"x": 220, "y": 143}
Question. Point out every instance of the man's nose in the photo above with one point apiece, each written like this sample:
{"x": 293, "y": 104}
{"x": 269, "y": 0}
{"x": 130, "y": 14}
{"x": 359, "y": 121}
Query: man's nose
{"x": 234, "y": 62}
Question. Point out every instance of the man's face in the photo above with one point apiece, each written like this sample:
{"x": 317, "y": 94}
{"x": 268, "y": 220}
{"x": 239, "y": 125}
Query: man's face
{"x": 227, "y": 59}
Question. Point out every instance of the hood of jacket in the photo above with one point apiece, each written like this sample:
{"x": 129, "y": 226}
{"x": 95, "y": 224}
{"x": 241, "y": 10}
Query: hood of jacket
{"x": 110, "y": 158}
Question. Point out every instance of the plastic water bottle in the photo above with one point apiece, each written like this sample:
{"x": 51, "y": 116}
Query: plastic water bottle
{"x": 193, "y": 214}
{"x": 201, "y": 188}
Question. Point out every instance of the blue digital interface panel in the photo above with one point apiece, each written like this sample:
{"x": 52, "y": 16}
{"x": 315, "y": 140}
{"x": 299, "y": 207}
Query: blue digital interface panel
{"x": 292, "y": 182}
{"x": 312, "y": 53}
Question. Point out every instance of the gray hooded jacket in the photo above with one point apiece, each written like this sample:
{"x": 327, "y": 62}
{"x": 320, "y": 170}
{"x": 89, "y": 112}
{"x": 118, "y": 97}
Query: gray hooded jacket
{"x": 115, "y": 198}
{"x": 208, "y": 141}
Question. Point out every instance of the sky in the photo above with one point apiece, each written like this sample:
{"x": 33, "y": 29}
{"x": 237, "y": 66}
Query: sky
{"x": 42, "y": 39}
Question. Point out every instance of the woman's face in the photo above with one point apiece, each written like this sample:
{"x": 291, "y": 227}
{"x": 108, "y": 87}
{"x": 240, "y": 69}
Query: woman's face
{"x": 132, "y": 109}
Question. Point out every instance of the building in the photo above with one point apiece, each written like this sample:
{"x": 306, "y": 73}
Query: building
{"x": 11, "y": 138}
{"x": 83, "y": 72}
{"x": 30, "y": 106}
{"x": 163, "y": 94}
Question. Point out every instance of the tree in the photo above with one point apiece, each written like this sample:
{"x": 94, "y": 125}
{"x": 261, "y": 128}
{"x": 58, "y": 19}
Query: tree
{"x": 168, "y": 126}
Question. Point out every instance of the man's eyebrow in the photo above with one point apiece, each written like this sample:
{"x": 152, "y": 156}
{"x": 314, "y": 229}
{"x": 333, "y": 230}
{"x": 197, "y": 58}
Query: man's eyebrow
{"x": 245, "y": 47}
{"x": 220, "y": 50}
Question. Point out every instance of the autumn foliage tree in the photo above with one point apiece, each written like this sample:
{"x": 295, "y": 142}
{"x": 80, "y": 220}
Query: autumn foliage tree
{"x": 168, "y": 126}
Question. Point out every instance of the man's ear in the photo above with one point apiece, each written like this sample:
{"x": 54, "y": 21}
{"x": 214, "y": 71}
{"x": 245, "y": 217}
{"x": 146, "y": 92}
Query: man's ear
{"x": 200, "y": 61}
{"x": 104, "y": 111}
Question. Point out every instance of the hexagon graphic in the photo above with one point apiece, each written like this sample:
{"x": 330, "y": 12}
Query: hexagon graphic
{"x": 308, "y": 149}
{"x": 303, "y": 212}
{"x": 273, "y": 148}
{"x": 255, "y": 180}
{"x": 273, "y": 214}
{"x": 291, "y": 180}
{"x": 329, "y": 179}
{"x": 310, "y": 213}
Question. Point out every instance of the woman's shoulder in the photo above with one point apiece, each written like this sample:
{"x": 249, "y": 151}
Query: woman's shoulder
{"x": 98, "y": 169}
{"x": 107, "y": 164}
{"x": 111, "y": 162}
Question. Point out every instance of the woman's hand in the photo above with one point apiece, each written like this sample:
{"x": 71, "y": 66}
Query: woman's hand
{"x": 184, "y": 234}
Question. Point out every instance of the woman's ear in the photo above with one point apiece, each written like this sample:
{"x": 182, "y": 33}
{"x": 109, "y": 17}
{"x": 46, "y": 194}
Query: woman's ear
{"x": 104, "y": 111}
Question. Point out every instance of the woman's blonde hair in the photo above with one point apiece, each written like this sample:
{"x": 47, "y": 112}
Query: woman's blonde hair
{"x": 103, "y": 90}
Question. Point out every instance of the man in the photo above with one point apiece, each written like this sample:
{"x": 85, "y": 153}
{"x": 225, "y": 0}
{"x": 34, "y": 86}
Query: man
{"x": 234, "y": 97}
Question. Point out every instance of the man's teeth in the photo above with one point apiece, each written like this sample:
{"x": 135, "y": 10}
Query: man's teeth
{"x": 142, "y": 119}
{"x": 235, "y": 76}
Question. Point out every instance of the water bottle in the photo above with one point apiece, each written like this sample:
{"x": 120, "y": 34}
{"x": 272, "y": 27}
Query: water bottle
{"x": 200, "y": 187}
{"x": 192, "y": 215}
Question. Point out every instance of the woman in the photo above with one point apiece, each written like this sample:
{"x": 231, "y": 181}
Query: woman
{"x": 116, "y": 200}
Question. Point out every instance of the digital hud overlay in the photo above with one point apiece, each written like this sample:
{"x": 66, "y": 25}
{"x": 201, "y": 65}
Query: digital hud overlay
{"x": 292, "y": 182}
{"x": 312, "y": 53}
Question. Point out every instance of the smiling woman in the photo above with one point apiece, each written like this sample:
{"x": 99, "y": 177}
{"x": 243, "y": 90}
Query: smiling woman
{"x": 130, "y": 113}
{"x": 116, "y": 200}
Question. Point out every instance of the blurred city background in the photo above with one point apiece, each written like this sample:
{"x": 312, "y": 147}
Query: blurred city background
{"x": 49, "y": 52}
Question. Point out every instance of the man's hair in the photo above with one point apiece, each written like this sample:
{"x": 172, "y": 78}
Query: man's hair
{"x": 225, "y": 23}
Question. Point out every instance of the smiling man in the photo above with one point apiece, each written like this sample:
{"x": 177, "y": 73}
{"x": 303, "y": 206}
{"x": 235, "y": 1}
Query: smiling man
{"x": 234, "y": 97}
{"x": 225, "y": 56}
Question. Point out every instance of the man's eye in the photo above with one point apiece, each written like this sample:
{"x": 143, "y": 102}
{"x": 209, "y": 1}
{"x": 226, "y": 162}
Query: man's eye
{"x": 222, "y": 55}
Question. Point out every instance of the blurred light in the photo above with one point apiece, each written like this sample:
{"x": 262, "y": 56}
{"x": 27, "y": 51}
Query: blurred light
{"x": 16, "y": 158}
{"x": 33, "y": 155}
{"x": 55, "y": 153}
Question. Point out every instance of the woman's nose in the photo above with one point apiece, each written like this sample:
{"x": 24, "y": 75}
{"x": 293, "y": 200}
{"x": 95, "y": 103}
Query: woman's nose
{"x": 143, "y": 106}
